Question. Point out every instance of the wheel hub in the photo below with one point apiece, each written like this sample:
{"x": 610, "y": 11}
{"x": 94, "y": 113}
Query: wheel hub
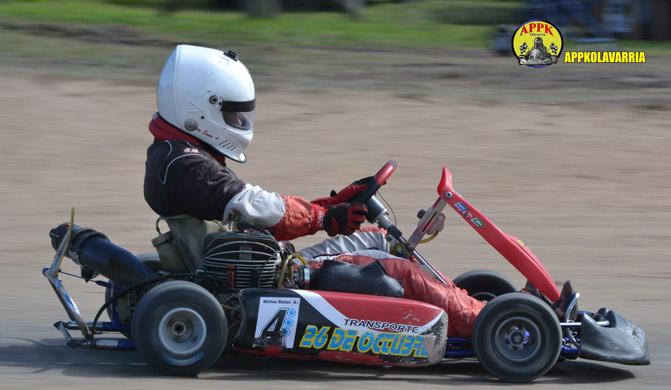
{"x": 517, "y": 338}
{"x": 178, "y": 328}
{"x": 182, "y": 331}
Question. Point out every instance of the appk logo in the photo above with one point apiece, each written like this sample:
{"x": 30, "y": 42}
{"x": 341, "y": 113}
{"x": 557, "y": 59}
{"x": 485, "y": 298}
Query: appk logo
{"x": 537, "y": 44}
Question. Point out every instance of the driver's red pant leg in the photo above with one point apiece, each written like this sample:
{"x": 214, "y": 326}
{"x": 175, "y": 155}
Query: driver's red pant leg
{"x": 462, "y": 310}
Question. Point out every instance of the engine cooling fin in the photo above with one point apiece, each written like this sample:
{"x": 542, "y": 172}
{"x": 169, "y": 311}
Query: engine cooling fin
{"x": 241, "y": 259}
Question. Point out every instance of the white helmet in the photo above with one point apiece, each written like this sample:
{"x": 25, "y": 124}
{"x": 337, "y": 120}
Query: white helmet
{"x": 210, "y": 95}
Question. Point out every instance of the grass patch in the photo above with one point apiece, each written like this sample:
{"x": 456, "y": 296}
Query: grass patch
{"x": 416, "y": 24}
{"x": 429, "y": 24}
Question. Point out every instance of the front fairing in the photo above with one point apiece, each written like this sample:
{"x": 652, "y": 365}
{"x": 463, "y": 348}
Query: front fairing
{"x": 619, "y": 342}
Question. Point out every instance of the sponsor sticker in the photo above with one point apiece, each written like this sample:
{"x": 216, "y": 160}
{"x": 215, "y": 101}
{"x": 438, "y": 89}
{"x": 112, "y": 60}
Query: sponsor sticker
{"x": 463, "y": 209}
{"x": 377, "y": 343}
{"x": 381, "y": 325}
{"x": 477, "y": 222}
{"x": 277, "y": 320}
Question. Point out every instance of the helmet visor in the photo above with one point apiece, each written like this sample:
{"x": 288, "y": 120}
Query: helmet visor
{"x": 239, "y": 120}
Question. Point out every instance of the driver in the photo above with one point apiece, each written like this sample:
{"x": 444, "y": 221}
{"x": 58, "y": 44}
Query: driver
{"x": 206, "y": 105}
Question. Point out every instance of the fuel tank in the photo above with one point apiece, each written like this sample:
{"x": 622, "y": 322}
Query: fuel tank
{"x": 342, "y": 327}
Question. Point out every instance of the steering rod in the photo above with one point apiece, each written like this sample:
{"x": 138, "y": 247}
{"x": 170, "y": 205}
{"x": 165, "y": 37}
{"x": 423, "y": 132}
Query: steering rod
{"x": 377, "y": 214}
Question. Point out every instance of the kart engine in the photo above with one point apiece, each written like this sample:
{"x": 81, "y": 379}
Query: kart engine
{"x": 241, "y": 259}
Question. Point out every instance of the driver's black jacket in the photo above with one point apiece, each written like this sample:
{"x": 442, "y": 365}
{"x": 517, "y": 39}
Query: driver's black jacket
{"x": 181, "y": 178}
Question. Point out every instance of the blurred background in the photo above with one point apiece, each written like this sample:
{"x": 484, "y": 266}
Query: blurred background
{"x": 572, "y": 158}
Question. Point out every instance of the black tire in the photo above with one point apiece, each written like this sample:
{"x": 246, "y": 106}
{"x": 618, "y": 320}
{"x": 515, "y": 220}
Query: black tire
{"x": 179, "y": 328}
{"x": 517, "y": 337}
{"x": 152, "y": 261}
{"x": 483, "y": 284}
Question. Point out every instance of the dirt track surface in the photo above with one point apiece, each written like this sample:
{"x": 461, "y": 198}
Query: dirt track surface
{"x": 585, "y": 184}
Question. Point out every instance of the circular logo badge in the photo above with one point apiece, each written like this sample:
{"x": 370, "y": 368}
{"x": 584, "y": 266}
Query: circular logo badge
{"x": 537, "y": 43}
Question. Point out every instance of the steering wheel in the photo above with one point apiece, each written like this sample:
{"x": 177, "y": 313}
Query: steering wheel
{"x": 375, "y": 182}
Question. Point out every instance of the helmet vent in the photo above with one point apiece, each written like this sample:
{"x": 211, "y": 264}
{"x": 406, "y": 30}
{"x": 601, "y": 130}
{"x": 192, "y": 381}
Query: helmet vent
{"x": 227, "y": 145}
{"x": 232, "y": 55}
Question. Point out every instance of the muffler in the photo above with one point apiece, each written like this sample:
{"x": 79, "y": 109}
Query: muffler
{"x": 93, "y": 250}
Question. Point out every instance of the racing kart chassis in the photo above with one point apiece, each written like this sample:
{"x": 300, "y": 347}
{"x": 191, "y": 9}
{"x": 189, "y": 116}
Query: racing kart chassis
{"x": 324, "y": 326}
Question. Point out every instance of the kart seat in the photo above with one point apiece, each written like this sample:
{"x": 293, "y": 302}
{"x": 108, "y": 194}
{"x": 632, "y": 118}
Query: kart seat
{"x": 181, "y": 248}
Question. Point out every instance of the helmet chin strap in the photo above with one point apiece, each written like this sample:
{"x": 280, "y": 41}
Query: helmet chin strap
{"x": 164, "y": 131}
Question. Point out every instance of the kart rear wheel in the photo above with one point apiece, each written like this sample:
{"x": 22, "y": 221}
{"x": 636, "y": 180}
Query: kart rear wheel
{"x": 179, "y": 328}
{"x": 517, "y": 337}
{"x": 483, "y": 284}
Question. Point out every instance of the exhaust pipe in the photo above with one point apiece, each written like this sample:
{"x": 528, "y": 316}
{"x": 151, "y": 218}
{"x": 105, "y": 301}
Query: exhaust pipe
{"x": 93, "y": 250}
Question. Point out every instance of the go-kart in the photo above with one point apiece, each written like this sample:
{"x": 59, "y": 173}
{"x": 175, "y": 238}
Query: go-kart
{"x": 241, "y": 291}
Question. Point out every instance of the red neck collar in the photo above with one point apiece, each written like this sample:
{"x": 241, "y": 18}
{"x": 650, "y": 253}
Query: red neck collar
{"x": 164, "y": 131}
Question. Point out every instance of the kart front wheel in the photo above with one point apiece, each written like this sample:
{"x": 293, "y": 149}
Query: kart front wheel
{"x": 179, "y": 328}
{"x": 517, "y": 337}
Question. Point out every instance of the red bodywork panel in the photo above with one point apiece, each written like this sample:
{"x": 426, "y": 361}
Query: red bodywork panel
{"x": 510, "y": 247}
{"x": 342, "y": 327}
{"x": 379, "y": 308}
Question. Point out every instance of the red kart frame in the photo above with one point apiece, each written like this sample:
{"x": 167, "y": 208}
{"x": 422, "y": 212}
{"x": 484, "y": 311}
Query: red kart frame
{"x": 511, "y": 248}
